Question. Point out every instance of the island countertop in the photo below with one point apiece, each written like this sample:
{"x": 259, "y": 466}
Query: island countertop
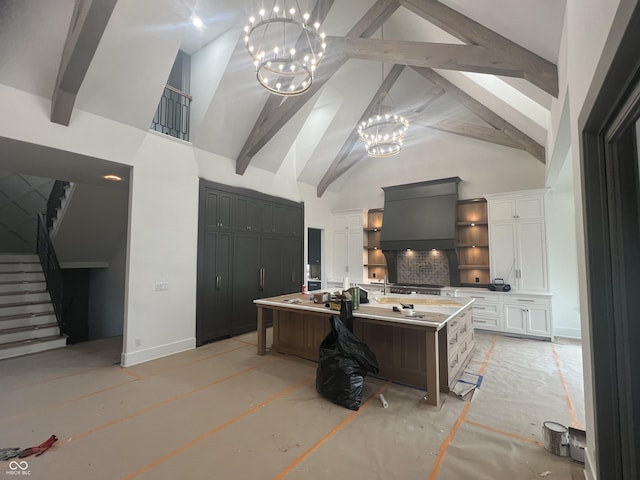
{"x": 429, "y": 310}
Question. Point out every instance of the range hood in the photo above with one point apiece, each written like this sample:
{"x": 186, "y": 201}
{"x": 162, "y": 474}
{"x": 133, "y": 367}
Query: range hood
{"x": 420, "y": 216}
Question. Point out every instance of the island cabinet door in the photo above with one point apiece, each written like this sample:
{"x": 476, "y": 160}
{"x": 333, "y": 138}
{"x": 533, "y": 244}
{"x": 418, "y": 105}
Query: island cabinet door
{"x": 214, "y": 301}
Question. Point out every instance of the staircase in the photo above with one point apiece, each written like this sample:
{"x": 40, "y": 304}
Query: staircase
{"x": 27, "y": 321}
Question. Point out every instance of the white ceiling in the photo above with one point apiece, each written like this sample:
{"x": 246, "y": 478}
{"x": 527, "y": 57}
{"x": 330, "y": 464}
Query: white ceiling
{"x": 133, "y": 60}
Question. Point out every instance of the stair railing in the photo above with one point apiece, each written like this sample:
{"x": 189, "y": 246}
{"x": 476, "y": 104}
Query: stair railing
{"x": 172, "y": 116}
{"x": 55, "y": 200}
{"x": 51, "y": 270}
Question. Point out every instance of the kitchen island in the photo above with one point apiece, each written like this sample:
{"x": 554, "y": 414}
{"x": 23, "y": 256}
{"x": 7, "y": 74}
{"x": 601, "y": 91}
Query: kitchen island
{"x": 428, "y": 349}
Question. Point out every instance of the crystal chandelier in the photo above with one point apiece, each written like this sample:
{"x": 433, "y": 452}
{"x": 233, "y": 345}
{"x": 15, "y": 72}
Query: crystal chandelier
{"x": 285, "y": 46}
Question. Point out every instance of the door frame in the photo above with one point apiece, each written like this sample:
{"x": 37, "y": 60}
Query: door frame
{"x": 610, "y": 189}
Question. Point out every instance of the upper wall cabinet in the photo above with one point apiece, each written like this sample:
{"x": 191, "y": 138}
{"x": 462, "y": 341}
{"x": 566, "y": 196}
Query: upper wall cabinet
{"x": 517, "y": 239}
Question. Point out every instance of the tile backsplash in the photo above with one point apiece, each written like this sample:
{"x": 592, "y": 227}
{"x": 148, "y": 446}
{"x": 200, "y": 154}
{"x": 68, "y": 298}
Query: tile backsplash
{"x": 428, "y": 266}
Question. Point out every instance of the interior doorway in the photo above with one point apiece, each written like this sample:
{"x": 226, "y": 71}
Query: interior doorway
{"x": 611, "y": 191}
{"x": 314, "y": 258}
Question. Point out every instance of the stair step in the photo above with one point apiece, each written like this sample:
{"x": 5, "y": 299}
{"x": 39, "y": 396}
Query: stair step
{"x": 23, "y": 286}
{"x": 24, "y": 307}
{"x": 27, "y": 319}
{"x": 18, "y": 257}
{"x": 24, "y": 297}
{"x": 25, "y": 347}
{"x": 31, "y": 332}
{"x": 21, "y": 276}
{"x": 20, "y": 267}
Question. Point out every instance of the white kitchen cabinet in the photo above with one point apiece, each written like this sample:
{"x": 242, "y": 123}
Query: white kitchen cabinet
{"x": 508, "y": 312}
{"x": 527, "y": 315}
{"x": 348, "y": 246}
{"x": 517, "y": 240}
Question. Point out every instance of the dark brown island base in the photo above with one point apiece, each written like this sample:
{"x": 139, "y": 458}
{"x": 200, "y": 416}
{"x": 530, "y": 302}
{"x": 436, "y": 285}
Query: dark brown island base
{"x": 428, "y": 349}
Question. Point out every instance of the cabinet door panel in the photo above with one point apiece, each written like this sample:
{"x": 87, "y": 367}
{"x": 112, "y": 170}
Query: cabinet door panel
{"x": 272, "y": 251}
{"x": 292, "y": 273}
{"x": 246, "y": 281}
{"x": 340, "y": 254}
{"x": 530, "y": 208}
{"x": 501, "y": 210}
{"x": 514, "y": 319}
{"x": 247, "y": 214}
{"x": 355, "y": 254}
{"x": 502, "y": 251}
{"x": 215, "y": 307}
{"x": 532, "y": 256}
{"x": 224, "y": 210}
{"x": 538, "y": 321}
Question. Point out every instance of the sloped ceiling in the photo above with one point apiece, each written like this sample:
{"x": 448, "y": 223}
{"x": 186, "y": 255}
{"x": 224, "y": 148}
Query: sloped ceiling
{"x": 123, "y": 79}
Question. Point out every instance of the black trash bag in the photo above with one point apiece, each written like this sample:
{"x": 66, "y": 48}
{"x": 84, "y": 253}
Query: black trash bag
{"x": 346, "y": 313}
{"x": 343, "y": 363}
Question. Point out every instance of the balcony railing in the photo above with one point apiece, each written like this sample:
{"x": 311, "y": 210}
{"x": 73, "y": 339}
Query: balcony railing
{"x": 172, "y": 115}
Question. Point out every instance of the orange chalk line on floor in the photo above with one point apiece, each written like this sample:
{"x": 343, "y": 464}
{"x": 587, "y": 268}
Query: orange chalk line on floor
{"x": 164, "y": 402}
{"x": 217, "y": 429}
{"x": 503, "y": 432}
{"x": 64, "y": 402}
{"x": 435, "y": 471}
{"x": 447, "y": 441}
{"x": 567, "y": 394}
{"x": 57, "y": 377}
{"x": 329, "y": 435}
{"x": 198, "y": 360}
{"x": 485, "y": 364}
{"x": 118, "y": 385}
{"x": 245, "y": 342}
{"x": 131, "y": 373}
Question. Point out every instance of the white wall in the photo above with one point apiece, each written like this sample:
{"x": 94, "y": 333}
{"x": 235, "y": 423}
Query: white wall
{"x": 563, "y": 261}
{"x": 162, "y": 248}
{"x": 106, "y": 295}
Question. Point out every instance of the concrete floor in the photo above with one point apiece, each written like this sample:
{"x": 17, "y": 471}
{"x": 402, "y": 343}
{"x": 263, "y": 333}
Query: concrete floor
{"x": 222, "y": 412}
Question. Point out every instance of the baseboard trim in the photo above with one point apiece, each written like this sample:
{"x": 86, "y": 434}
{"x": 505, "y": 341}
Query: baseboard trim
{"x": 141, "y": 356}
{"x": 567, "y": 332}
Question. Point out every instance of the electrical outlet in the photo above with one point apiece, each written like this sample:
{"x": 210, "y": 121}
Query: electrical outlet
{"x": 138, "y": 341}
{"x": 162, "y": 286}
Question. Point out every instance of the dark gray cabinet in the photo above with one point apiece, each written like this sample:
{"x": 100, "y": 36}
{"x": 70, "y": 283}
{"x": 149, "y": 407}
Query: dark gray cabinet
{"x": 214, "y": 310}
{"x": 217, "y": 209}
{"x": 249, "y": 246}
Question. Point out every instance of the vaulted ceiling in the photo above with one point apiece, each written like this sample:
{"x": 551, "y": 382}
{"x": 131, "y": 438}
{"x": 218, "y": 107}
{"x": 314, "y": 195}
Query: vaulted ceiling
{"x": 485, "y": 70}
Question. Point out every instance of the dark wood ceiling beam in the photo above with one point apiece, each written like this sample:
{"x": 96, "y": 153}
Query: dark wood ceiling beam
{"x": 527, "y": 143}
{"x": 536, "y": 69}
{"x": 466, "y": 58}
{"x": 88, "y": 22}
{"x": 345, "y": 160}
{"x": 278, "y": 110}
{"x": 477, "y": 132}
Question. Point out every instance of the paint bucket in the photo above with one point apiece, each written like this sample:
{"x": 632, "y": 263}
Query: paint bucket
{"x": 556, "y": 438}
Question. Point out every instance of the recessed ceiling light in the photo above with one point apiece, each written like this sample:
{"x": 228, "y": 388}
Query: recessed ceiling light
{"x": 112, "y": 178}
{"x": 197, "y": 21}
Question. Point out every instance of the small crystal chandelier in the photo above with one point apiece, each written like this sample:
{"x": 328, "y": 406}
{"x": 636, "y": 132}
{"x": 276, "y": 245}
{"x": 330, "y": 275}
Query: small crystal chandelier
{"x": 286, "y": 48}
{"x": 383, "y": 133}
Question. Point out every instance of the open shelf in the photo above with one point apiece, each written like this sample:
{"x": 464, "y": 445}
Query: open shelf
{"x": 472, "y": 237}
{"x": 376, "y": 262}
